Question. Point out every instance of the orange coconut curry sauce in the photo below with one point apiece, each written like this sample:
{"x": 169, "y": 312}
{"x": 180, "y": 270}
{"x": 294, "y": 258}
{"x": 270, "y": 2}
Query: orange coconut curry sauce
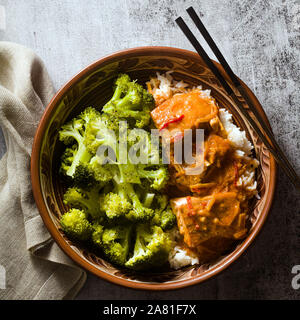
{"x": 211, "y": 207}
{"x": 184, "y": 107}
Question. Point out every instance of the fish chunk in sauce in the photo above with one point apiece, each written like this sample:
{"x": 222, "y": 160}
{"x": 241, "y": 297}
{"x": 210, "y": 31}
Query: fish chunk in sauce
{"x": 216, "y": 150}
{"x": 209, "y": 224}
{"x": 211, "y": 207}
{"x": 184, "y": 111}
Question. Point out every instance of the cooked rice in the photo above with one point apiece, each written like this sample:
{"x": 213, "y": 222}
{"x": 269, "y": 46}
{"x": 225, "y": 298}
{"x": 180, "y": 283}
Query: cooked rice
{"x": 179, "y": 258}
{"x": 234, "y": 134}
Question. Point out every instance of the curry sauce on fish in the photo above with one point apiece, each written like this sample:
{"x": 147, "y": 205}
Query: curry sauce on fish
{"x": 211, "y": 207}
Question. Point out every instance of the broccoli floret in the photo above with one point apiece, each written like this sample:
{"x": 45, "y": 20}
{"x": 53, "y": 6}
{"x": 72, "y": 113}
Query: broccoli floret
{"x": 74, "y": 132}
{"x": 120, "y": 173}
{"x": 89, "y": 114}
{"x": 124, "y": 202}
{"x": 161, "y": 202}
{"x": 116, "y": 243}
{"x": 139, "y": 212}
{"x": 163, "y": 214}
{"x": 67, "y": 159}
{"x": 75, "y": 224}
{"x": 151, "y": 249}
{"x": 85, "y": 200}
{"x": 166, "y": 219}
{"x": 98, "y": 134}
{"x": 158, "y": 176}
{"x": 101, "y": 172}
{"x": 141, "y": 142}
{"x": 114, "y": 205}
{"x": 130, "y": 100}
{"x": 97, "y": 234}
{"x": 127, "y": 174}
{"x": 90, "y": 174}
{"x": 151, "y": 169}
{"x": 84, "y": 177}
{"x": 111, "y": 122}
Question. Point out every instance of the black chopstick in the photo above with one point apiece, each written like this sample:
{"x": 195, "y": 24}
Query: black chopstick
{"x": 196, "y": 19}
{"x": 192, "y": 13}
{"x": 185, "y": 29}
{"x": 276, "y": 152}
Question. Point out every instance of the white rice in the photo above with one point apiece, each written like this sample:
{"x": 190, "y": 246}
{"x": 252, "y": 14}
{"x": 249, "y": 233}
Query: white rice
{"x": 179, "y": 258}
{"x": 248, "y": 181}
{"x": 243, "y": 149}
{"x": 164, "y": 86}
{"x": 167, "y": 86}
{"x": 234, "y": 134}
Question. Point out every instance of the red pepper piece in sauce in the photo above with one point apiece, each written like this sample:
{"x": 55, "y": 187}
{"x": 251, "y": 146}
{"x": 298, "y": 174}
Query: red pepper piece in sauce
{"x": 197, "y": 190}
{"x": 171, "y": 121}
{"x": 190, "y": 206}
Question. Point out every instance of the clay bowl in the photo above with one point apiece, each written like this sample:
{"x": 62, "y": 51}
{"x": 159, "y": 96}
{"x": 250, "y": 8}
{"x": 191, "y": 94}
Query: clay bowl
{"x": 93, "y": 87}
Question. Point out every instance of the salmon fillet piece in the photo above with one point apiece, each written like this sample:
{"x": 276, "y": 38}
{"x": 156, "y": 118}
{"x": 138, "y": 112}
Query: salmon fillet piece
{"x": 209, "y": 224}
{"x": 184, "y": 111}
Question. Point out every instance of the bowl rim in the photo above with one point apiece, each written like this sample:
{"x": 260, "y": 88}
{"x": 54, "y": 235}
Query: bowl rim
{"x": 38, "y": 196}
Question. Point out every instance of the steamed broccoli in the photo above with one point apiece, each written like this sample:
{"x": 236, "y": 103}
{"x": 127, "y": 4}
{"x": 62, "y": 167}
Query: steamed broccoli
{"x": 166, "y": 219}
{"x": 158, "y": 176}
{"x": 74, "y": 133}
{"x": 89, "y": 114}
{"x": 140, "y": 141}
{"x": 114, "y": 205}
{"x": 124, "y": 202}
{"x": 139, "y": 212}
{"x": 110, "y": 198}
{"x": 100, "y": 140}
{"x": 84, "y": 177}
{"x": 67, "y": 159}
{"x": 111, "y": 123}
{"x": 116, "y": 243}
{"x": 75, "y": 224}
{"x": 163, "y": 214}
{"x": 85, "y": 200}
{"x": 98, "y": 171}
{"x": 151, "y": 168}
{"x": 130, "y": 101}
{"x": 148, "y": 199}
{"x": 151, "y": 249}
{"x": 97, "y": 233}
{"x": 98, "y": 134}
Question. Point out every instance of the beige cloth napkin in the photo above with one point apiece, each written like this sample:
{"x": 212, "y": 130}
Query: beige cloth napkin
{"x": 32, "y": 266}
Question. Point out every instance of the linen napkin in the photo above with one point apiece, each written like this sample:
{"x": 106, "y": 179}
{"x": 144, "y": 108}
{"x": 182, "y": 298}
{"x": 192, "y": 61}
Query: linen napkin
{"x": 32, "y": 266}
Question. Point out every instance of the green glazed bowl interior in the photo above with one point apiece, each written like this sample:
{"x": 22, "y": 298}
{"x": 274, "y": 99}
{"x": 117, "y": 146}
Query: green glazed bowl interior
{"x": 93, "y": 87}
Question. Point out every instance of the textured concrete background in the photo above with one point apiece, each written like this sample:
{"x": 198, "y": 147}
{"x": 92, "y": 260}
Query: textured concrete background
{"x": 260, "y": 39}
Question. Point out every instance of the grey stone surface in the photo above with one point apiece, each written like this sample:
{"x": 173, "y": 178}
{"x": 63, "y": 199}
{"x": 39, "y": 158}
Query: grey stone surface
{"x": 260, "y": 39}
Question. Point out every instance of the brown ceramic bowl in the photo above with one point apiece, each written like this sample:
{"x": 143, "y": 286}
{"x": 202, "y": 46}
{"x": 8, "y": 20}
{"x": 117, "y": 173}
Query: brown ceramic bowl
{"x": 93, "y": 87}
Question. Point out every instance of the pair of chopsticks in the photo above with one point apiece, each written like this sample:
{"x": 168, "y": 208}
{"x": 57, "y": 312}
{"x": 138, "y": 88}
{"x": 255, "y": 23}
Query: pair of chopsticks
{"x": 265, "y": 134}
